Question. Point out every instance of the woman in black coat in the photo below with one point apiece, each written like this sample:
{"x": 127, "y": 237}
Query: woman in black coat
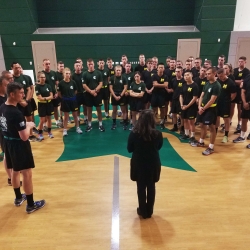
{"x": 145, "y": 142}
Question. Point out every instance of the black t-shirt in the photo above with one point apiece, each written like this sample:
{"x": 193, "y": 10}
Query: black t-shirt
{"x": 239, "y": 75}
{"x": 140, "y": 68}
{"x": 105, "y": 76}
{"x": 176, "y": 85}
{"x": 227, "y": 88}
{"x": 78, "y": 80}
{"x": 118, "y": 83}
{"x": 201, "y": 83}
{"x": 231, "y": 77}
{"x": 146, "y": 76}
{"x": 124, "y": 70}
{"x": 51, "y": 79}
{"x": 111, "y": 71}
{"x": 129, "y": 77}
{"x": 59, "y": 76}
{"x": 160, "y": 80}
{"x": 246, "y": 87}
{"x": 195, "y": 72}
{"x": 43, "y": 90}
{"x": 170, "y": 73}
{"x": 11, "y": 121}
{"x": 3, "y": 99}
{"x": 188, "y": 92}
{"x": 25, "y": 81}
{"x": 67, "y": 89}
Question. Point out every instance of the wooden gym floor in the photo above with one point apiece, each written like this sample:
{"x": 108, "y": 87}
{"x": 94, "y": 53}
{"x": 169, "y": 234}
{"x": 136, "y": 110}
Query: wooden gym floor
{"x": 207, "y": 208}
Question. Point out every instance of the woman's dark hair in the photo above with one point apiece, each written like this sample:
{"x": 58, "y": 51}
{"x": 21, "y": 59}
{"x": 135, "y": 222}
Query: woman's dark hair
{"x": 13, "y": 86}
{"x": 145, "y": 125}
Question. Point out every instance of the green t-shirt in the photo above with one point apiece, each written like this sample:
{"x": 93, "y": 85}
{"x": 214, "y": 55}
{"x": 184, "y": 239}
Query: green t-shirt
{"x": 209, "y": 90}
{"x": 137, "y": 87}
{"x": 67, "y": 89}
{"x": 92, "y": 79}
{"x": 25, "y": 81}
{"x": 118, "y": 83}
{"x": 129, "y": 77}
{"x": 51, "y": 79}
{"x": 78, "y": 80}
{"x": 43, "y": 90}
{"x": 105, "y": 76}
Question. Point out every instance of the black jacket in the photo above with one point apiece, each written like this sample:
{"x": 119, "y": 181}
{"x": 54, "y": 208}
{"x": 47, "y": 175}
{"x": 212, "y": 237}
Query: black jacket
{"x": 145, "y": 161}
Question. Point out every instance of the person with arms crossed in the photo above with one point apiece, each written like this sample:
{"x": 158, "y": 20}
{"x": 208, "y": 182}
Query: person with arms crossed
{"x": 16, "y": 132}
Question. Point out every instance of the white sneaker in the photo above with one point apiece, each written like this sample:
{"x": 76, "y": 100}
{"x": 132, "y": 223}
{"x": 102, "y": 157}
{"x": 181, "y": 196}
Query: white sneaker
{"x": 78, "y": 130}
{"x": 65, "y": 133}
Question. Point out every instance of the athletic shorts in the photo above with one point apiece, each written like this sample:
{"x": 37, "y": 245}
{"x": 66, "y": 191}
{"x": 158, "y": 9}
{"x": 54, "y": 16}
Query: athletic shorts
{"x": 190, "y": 113}
{"x": 56, "y": 102}
{"x": 80, "y": 99}
{"x": 33, "y": 104}
{"x": 158, "y": 100}
{"x": 26, "y": 111}
{"x": 93, "y": 101}
{"x": 147, "y": 97}
{"x": 121, "y": 102}
{"x": 168, "y": 96}
{"x": 237, "y": 99}
{"x": 176, "y": 107}
{"x": 208, "y": 117}
{"x": 105, "y": 93}
{"x": 136, "y": 104}
{"x": 18, "y": 154}
{"x": 45, "y": 109}
{"x": 223, "y": 109}
{"x": 245, "y": 114}
{"x": 69, "y": 105}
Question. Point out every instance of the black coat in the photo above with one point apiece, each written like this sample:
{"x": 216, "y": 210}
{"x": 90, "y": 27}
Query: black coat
{"x": 145, "y": 161}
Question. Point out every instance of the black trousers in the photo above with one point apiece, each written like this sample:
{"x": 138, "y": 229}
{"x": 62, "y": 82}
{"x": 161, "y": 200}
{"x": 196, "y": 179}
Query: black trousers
{"x": 146, "y": 196}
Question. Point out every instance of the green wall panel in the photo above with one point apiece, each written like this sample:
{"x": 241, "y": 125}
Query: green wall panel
{"x": 218, "y": 12}
{"x": 222, "y": 24}
{"x": 220, "y": 2}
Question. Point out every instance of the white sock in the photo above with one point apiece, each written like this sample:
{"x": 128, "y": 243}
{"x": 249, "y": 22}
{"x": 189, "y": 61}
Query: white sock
{"x": 186, "y": 131}
{"x": 192, "y": 134}
{"x": 89, "y": 124}
{"x": 211, "y": 146}
{"x": 162, "y": 121}
{"x": 64, "y": 129}
{"x": 100, "y": 123}
{"x": 239, "y": 122}
{"x": 201, "y": 140}
{"x": 78, "y": 117}
{"x": 45, "y": 123}
{"x": 242, "y": 134}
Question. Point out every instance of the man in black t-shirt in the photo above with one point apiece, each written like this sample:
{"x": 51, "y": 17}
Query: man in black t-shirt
{"x": 59, "y": 72}
{"x": 155, "y": 64}
{"x": 16, "y": 145}
{"x": 240, "y": 74}
{"x": 245, "y": 114}
{"x": 188, "y": 66}
{"x": 124, "y": 60}
{"x": 197, "y": 66}
{"x": 227, "y": 94}
{"x": 142, "y": 65}
{"x": 160, "y": 83}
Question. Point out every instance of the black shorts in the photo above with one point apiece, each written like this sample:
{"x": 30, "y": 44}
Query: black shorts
{"x": 158, "y": 100}
{"x": 223, "y": 109}
{"x": 80, "y": 99}
{"x": 208, "y": 117}
{"x": 104, "y": 93}
{"x": 168, "y": 97}
{"x": 190, "y": 113}
{"x": 121, "y": 102}
{"x": 147, "y": 97}
{"x": 33, "y": 104}
{"x": 45, "y": 109}
{"x": 91, "y": 100}
{"x": 26, "y": 111}
{"x": 245, "y": 114}
{"x": 56, "y": 102}
{"x": 176, "y": 107}
{"x": 136, "y": 104}
{"x": 69, "y": 105}
{"x": 237, "y": 99}
{"x": 18, "y": 154}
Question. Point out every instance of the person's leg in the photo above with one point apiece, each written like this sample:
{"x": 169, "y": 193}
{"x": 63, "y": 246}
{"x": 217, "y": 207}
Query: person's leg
{"x": 141, "y": 193}
{"x": 124, "y": 113}
{"x": 114, "y": 113}
{"x": 244, "y": 127}
{"x": 29, "y": 119}
{"x": 150, "y": 198}
{"x": 65, "y": 120}
{"x": 89, "y": 115}
{"x": 227, "y": 125}
{"x": 232, "y": 111}
{"x": 106, "y": 106}
{"x": 239, "y": 113}
{"x": 56, "y": 114}
{"x": 74, "y": 114}
{"x": 162, "y": 114}
{"x": 40, "y": 127}
{"x": 15, "y": 180}
{"x": 7, "y": 170}
{"x": 212, "y": 135}
{"x": 192, "y": 127}
{"x": 99, "y": 115}
{"x": 134, "y": 117}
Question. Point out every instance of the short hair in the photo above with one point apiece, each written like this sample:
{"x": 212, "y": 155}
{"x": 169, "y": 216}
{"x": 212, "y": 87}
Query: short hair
{"x": 100, "y": 60}
{"x": 5, "y": 72}
{"x": 190, "y": 56}
{"x": 12, "y": 64}
{"x": 60, "y": 62}
{"x": 118, "y": 66}
{"x": 78, "y": 58}
{"x": 149, "y": 60}
{"x": 208, "y": 61}
{"x": 161, "y": 63}
{"x": 220, "y": 71}
{"x": 169, "y": 57}
{"x": 179, "y": 61}
{"x": 187, "y": 61}
{"x": 128, "y": 62}
{"x": 214, "y": 69}
{"x": 124, "y": 56}
{"x": 243, "y": 58}
{"x": 13, "y": 86}
{"x": 141, "y": 55}
{"x": 172, "y": 59}
{"x": 77, "y": 61}
{"x": 155, "y": 57}
{"x": 198, "y": 58}
{"x": 179, "y": 67}
{"x": 66, "y": 69}
{"x": 40, "y": 73}
{"x": 45, "y": 59}
{"x": 222, "y": 56}
{"x": 137, "y": 73}
{"x": 90, "y": 60}
{"x": 188, "y": 71}
{"x": 109, "y": 59}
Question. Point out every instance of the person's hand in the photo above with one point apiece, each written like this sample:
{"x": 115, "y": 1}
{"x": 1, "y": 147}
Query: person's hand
{"x": 197, "y": 101}
{"x": 241, "y": 84}
{"x": 184, "y": 107}
{"x": 246, "y": 106}
{"x": 23, "y": 103}
{"x": 126, "y": 93}
{"x": 201, "y": 110}
{"x": 30, "y": 124}
{"x": 117, "y": 98}
{"x": 55, "y": 96}
{"x": 92, "y": 92}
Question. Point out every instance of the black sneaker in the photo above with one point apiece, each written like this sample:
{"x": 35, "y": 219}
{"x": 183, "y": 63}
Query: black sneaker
{"x": 208, "y": 151}
{"x": 237, "y": 131}
{"x": 88, "y": 129}
{"x": 182, "y": 132}
{"x": 184, "y": 137}
{"x": 85, "y": 122}
{"x": 248, "y": 137}
{"x": 19, "y": 202}
{"x": 35, "y": 130}
{"x": 131, "y": 127}
{"x": 192, "y": 139}
{"x": 101, "y": 128}
{"x": 248, "y": 146}
{"x": 179, "y": 121}
{"x": 125, "y": 127}
{"x": 222, "y": 125}
{"x": 239, "y": 139}
{"x": 196, "y": 143}
{"x": 113, "y": 126}
{"x": 173, "y": 129}
{"x": 162, "y": 126}
{"x": 37, "y": 205}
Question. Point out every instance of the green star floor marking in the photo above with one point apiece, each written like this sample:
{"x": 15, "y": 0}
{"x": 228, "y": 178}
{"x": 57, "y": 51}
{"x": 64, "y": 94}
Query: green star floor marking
{"x": 96, "y": 143}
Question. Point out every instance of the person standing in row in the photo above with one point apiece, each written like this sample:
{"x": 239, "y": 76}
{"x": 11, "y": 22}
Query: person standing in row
{"x": 67, "y": 90}
{"x": 16, "y": 132}
{"x": 144, "y": 142}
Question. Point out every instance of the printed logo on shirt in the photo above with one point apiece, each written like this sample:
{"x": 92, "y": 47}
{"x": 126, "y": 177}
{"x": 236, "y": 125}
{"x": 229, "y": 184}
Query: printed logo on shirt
{"x": 173, "y": 74}
{"x": 209, "y": 90}
{"x": 105, "y": 73}
{"x": 24, "y": 82}
{"x": 240, "y": 75}
{"x": 180, "y": 84}
{"x": 189, "y": 89}
{"x": 53, "y": 78}
{"x": 22, "y": 124}
{"x": 162, "y": 80}
{"x": 3, "y": 123}
{"x": 94, "y": 77}
{"x": 71, "y": 87}
{"x": 112, "y": 72}
{"x": 224, "y": 86}
{"x": 37, "y": 91}
{"x": 120, "y": 81}
{"x": 129, "y": 78}
{"x": 139, "y": 88}
{"x": 47, "y": 89}
{"x": 145, "y": 68}
{"x": 203, "y": 83}
{"x": 152, "y": 74}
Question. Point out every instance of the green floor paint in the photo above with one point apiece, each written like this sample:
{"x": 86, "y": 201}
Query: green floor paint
{"x": 96, "y": 143}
